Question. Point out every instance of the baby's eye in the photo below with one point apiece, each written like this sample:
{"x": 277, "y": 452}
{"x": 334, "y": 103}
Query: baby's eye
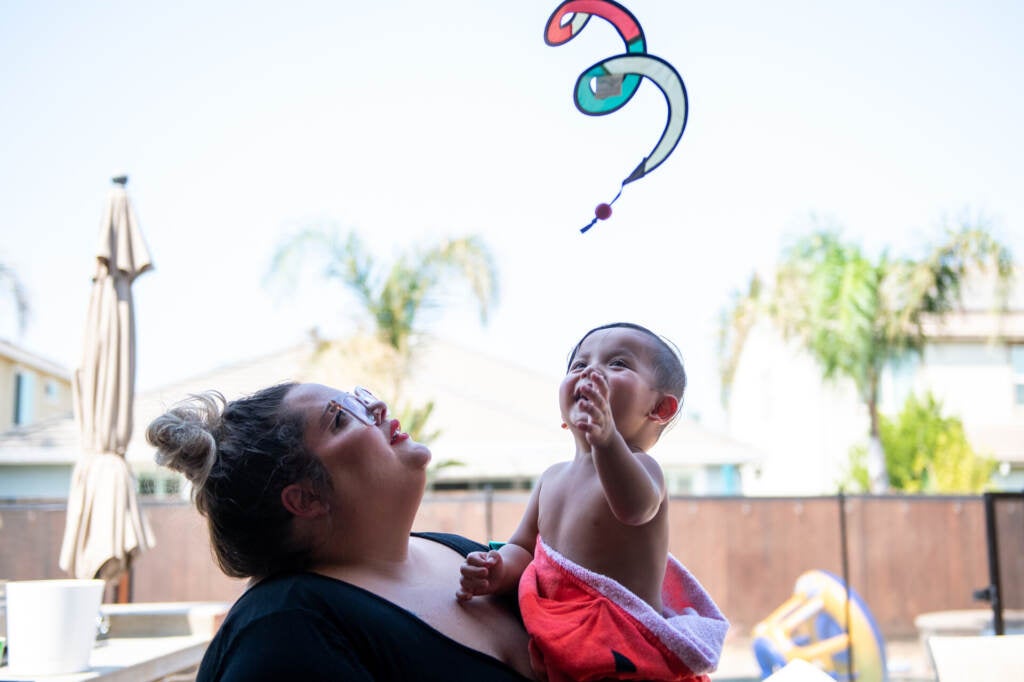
{"x": 618, "y": 363}
{"x": 577, "y": 365}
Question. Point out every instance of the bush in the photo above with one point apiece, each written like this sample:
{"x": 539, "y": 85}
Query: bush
{"x": 925, "y": 452}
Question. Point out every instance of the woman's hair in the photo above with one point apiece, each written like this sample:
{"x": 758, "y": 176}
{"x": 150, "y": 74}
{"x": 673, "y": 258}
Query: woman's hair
{"x": 668, "y": 365}
{"x": 239, "y": 456}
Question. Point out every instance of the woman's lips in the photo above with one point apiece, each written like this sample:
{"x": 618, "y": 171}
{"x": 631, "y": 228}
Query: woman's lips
{"x": 397, "y": 435}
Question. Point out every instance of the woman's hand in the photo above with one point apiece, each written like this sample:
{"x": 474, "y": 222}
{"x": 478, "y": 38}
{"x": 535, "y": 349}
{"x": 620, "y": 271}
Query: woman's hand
{"x": 481, "y": 574}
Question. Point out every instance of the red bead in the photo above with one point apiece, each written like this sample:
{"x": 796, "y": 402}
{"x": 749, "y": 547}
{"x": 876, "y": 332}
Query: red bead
{"x": 603, "y": 211}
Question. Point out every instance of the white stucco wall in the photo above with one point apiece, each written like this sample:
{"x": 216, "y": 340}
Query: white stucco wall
{"x": 975, "y": 381}
{"x": 780, "y": 406}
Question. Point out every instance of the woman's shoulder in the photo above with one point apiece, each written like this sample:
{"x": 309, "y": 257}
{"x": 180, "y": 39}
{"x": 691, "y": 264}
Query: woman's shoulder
{"x": 286, "y": 626}
{"x": 459, "y": 543}
{"x": 289, "y": 593}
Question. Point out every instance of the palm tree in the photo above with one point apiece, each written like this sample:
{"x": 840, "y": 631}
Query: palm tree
{"x": 9, "y": 280}
{"x": 734, "y": 325}
{"x": 395, "y": 298}
{"x": 855, "y": 315}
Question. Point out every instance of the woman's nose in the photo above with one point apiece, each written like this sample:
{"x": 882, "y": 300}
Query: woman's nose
{"x": 379, "y": 410}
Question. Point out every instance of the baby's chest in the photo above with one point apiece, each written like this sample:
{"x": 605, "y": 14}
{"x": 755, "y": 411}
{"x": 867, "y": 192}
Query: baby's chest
{"x": 570, "y": 502}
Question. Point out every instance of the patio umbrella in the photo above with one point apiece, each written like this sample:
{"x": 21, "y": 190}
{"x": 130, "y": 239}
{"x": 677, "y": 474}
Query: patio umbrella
{"x": 105, "y": 527}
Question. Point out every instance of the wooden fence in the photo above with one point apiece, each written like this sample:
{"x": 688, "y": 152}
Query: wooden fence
{"x": 906, "y": 555}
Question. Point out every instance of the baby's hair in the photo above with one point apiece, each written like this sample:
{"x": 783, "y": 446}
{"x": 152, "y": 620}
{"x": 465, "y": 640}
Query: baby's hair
{"x": 239, "y": 456}
{"x": 668, "y": 363}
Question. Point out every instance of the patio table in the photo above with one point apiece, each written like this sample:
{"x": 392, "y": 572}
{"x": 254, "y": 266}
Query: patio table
{"x": 131, "y": 659}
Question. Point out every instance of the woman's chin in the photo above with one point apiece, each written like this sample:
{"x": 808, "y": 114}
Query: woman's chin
{"x": 416, "y": 453}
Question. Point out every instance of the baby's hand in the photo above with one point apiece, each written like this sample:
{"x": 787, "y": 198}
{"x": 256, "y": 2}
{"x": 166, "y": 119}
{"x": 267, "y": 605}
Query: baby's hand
{"x": 599, "y": 426}
{"x": 480, "y": 574}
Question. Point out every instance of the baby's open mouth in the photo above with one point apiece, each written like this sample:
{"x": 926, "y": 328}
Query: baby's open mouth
{"x": 578, "y": 396}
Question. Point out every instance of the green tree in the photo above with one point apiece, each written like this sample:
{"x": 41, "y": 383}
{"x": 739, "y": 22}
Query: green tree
{"x": 855, "y": 314}
{"x": 396, "y": 298}
{"x": 9, "y": 280}
{"x": 734, "y": 325}
{"x": 925, "y": 451}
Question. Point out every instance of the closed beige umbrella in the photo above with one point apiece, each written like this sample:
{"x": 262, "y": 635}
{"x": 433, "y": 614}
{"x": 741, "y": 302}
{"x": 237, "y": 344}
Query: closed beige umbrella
{"x": 105, "y": 526}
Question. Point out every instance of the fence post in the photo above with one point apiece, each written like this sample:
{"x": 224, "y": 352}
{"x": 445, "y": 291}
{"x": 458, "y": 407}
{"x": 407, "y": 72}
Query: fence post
{"x": 992, "y": 592}
{"x": 489, "y": 510}
{"x": 850, "y": 674}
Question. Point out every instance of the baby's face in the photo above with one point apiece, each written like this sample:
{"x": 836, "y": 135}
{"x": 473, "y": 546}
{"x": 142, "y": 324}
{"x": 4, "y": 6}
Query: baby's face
{"x": 624, "y": 360}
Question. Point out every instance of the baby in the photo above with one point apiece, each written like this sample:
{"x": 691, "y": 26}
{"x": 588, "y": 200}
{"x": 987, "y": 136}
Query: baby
{"x": 599, "y": 592}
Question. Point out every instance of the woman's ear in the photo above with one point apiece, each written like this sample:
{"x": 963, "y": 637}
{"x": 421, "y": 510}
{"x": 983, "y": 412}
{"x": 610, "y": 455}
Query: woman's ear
{"x": 665, "y": 409}
{"x": 302, "y": 500}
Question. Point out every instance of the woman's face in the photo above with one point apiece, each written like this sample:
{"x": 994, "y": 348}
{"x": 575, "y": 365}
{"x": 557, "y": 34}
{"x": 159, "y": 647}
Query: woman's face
{"x": 367, "y": 455}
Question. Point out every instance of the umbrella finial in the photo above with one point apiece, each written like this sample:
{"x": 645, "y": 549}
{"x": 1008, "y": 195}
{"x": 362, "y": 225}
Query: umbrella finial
{"x": 120, "y": 180}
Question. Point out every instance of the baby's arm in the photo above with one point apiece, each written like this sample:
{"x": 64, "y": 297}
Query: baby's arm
{"x": 498, "y": 571}
{"x": 633, "y": 482}
{"x": 493, "y": 572}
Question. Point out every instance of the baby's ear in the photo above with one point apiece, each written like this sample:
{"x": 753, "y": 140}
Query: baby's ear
{"x": 665, "y": 409}
{"x": 302, "y": 500}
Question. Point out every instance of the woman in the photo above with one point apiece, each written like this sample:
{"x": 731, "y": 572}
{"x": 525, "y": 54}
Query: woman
{"x": 312, "y": 492}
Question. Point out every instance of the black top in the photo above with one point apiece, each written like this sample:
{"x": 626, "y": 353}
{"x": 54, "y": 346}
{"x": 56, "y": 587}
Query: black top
{"x": 305, "y": 626}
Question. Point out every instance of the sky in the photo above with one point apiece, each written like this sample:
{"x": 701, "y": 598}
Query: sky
{"x": 406, "y": 121}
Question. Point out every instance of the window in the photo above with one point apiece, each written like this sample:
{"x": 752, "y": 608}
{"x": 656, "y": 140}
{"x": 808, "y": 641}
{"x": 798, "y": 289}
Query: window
{"x": 904, "y": 374}
{"x": 147, "y": 485}
{"x": 172, "y": 487}
{"x": 24, "y": 401}
{"x": 159, "y": 486}
{"x": 1017, "y": 366}
{"x": 679, "y": 482}
{"x": 51, "y": 391}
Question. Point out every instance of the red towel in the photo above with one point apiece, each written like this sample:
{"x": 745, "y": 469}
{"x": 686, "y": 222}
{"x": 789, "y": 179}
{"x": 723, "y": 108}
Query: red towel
{"x": 586, "y": 626}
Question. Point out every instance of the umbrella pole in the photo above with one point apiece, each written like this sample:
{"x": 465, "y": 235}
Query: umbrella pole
{"x": 124, "y": 587}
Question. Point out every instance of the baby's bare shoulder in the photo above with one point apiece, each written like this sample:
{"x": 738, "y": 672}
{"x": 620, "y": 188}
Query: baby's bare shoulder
{"x": 555, "y": 469}
{"x": 555, "y": 474}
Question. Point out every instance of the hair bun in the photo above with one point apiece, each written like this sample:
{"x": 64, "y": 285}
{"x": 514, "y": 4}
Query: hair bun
{"x": 183, "y": 436}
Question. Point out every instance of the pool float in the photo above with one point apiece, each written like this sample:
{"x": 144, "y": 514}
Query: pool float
{"x": 809, "y": 626}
